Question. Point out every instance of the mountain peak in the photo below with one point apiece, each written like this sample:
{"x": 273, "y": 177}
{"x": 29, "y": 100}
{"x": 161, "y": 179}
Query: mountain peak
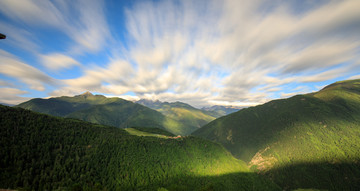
{"x": 86, "y": 94}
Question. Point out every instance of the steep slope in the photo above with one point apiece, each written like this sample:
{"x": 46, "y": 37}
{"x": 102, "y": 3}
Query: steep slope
{"x": 309, "y": 141}
{"x": 107, "y": 111}
{"x": 41, "y": 152}
{"x": 184, "y": 113}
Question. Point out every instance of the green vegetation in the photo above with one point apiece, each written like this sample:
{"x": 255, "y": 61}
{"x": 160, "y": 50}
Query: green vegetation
{"x": 306, "y": 141}
{"x": 133, "y": 131}
{"x": 184, "y": 113}
{"x": 154, "y": 130}
{"x": 41, "y": 152}
{"x": 106, "y": 111}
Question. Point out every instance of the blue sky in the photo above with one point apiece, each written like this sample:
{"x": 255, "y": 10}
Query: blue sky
{"x": 228, "y": 52}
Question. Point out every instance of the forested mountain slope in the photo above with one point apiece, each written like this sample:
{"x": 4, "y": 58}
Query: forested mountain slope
{"x": 306, "y": 141}
{"x": 107, "y": 111}
{"x": 41, "y": 152}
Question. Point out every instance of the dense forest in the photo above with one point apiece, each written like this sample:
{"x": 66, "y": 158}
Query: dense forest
{"x": 41, "y": 152}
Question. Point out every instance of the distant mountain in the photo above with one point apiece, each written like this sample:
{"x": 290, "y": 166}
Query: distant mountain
{"x": 184, "y": 113}
{"x": 306, "y": 141}
{"x": 107, "y": 111}
{"x": 221, "y": 110}
{"x": 156, "y": 104}
{"x": 41, "y": 152}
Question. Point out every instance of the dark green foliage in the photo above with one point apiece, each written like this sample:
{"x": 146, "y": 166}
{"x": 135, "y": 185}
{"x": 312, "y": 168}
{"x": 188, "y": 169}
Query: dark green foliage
{"x": 321, "y": 128}
{"x": 40, "y": 152}
{"x": 318, "y": 175}
{"x": 106, "y": 111}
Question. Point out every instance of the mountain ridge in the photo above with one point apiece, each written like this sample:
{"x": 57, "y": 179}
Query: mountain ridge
{"x": 102, "y": 110}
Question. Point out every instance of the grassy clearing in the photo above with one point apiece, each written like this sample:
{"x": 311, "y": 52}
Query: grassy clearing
{"x": 136, "y": 132}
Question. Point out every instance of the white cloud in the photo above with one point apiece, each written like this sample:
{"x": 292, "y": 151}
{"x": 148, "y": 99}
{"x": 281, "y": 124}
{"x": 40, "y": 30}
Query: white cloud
{"x": 83, "y": 21}
{"x": 92, "y": 31}
{"x": 58, "y": 61}
{"x": 12, "y": 96}
{"x": 201, "y": 52}
{"x": 229, "y": 52}
{"x": 32, "y": 12}
{"x": 13, "y": 67}
{"x": 354, "y": 77}
{"x": 5, "y": 83}
{"x": 327, "y": 75}
{"x": 113, "y": 79}
{"x": 19, "y": 37}
{"x": 320, "y": 55}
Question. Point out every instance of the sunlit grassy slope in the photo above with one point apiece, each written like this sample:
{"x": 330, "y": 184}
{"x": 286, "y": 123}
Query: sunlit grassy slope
{"x": 137, "y": 132}
{"x": 107, "y": 111}
{"x": 40, "y": 152}
{"x": 306, "y": 141}
{"x": 154, "y": 130}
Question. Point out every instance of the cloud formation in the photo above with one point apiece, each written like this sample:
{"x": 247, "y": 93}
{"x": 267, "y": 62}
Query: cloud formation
{"x": 201, "y": 52}
{"x": 12, "y": 96}
{"x": 15, "y": 68}
{"x": 83, "y": 21}
{"x": 58, "y": 61}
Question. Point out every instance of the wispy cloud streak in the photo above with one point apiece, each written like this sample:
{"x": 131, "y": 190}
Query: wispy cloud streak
{"x": 202, "y": 52}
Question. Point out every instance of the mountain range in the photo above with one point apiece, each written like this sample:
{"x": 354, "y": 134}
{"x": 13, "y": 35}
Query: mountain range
{"x": 99, "y": 109}
{"x": 177, "y": 117}
{"x": 308, "y": 141}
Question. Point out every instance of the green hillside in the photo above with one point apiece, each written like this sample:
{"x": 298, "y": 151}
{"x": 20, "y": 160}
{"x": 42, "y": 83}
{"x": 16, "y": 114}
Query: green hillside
{"x": 106, "y": 111}
{"x": 306, "y": 141}
{"x": 41, "y": 152}
{"x": 184, "y": 113}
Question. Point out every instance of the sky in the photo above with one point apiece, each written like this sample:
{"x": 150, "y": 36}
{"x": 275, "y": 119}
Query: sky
{"x": 203, "y": 52}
